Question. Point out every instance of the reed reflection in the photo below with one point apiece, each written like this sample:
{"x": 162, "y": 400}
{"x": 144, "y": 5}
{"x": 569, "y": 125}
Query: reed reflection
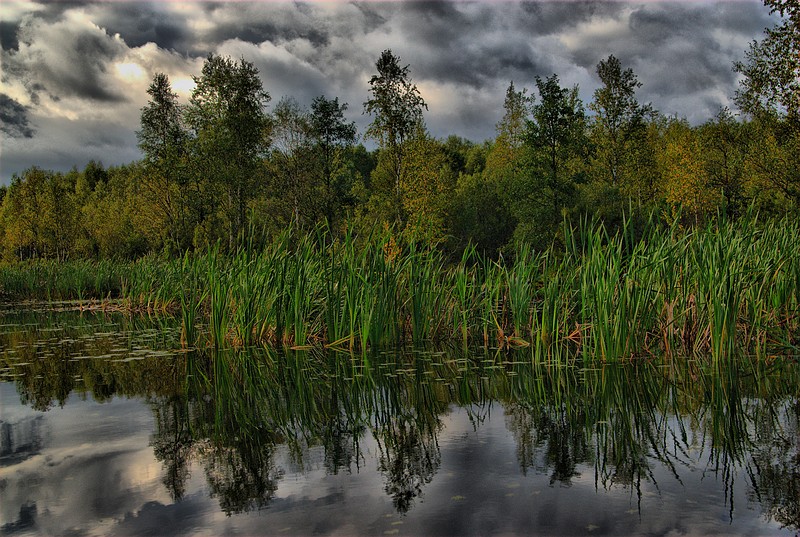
{"x": 232, "y": 411}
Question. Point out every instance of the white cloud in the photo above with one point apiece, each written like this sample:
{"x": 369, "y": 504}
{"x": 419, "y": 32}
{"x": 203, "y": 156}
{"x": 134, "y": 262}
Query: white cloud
{"x": 85, "y": 69}
{"x": 15, "y": 10}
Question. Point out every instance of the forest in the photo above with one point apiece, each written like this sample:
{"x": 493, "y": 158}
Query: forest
{"x": 226, "y": 169}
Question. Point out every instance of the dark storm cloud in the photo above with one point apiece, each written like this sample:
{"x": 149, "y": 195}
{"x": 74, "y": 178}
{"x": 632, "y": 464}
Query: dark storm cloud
{"x": 681, "y": 52}
{"x": 475, "y": 44}
{"x": 25, "y": 522}
{"x": 679, "y": 35}
{"x": 481, "y": 68}
{"x": 136, "y": 22}
{"x": 142, "y": 23}
{"x": 53, "y": 11}
{"x": 59, "y": 145}
{"x": 272, "y": 31}
{"x": 372, "y": 17}
{"x": 64, "y": 60}
{"x": 14, "y": 118}
{"x": 462, "y": 54}
{"x": 154, "y": 518}
{"x": 681, "y": 55}
{"x": 277, "y": 24}
{"x": 88, "y": 61}
{"x": 8, "y": 35}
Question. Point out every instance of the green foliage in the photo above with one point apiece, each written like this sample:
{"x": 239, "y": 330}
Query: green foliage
{"x": 396, "y": 106}
{"x": 773, "y": 158}
{"x": 479, "y": 216}
{"x": 162, "y": 136}
{"x": 648, "y": 289}
{"x": 771, "y": 69}
{"x": 555, "y": 139}
{"x": 222, "y": 170}
{"x": 290, "y": 163}
{"x": 332, "y": 136}
{"x": 516, "y": 106}
{"x": 618, "y": 125}
{"x": 165, "y": 186}
{"x": 227, "y": 116}
{"x": 427, "y": 190}
{"x": 687, "y": 186}
{"x": 724, "y": 150}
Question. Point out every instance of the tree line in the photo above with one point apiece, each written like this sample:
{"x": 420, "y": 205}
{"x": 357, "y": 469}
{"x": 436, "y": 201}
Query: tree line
{"x": 222, "y": 169}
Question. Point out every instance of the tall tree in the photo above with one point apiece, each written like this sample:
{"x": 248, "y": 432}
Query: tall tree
{"x": 557, "y": 135}
{"x": 771, "y": 68}
{"x": 555, "y": 138}
{"x": 687, "y": 185}
{"x": 724, "y": 147}
{"x": 227, "y": 113}
{"x": 516, "y": 107}
{"x": 290, "y": 160}
{"x": 113, "y": 215}
{"x": 163, "y": 139}
{"x": 770, "y": 92}
{"x": 427, "y": 189}
{"x": 396, "y": 108}
{"x": 25, "y": 210}
{"x": 618, "y": 123}
{"x": 503, "y": 176}
{"x": 773, "y": 157}
{"x": 503, "y": 162}
{"x": 162, "y": 135}
{"x": 332, "y": 135}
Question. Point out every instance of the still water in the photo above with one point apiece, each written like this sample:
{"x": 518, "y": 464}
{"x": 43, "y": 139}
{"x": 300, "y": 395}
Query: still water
{"x": 106, "y": 428}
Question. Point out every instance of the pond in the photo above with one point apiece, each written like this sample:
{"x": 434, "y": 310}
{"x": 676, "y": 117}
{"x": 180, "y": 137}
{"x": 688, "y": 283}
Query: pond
{"x": 107, "y": 428}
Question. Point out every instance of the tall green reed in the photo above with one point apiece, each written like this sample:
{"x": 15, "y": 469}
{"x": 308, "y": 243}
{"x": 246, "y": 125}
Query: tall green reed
{"x": 649, "y": 289}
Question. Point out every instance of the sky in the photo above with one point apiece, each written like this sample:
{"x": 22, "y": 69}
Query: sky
{"x": 75, "y": 74}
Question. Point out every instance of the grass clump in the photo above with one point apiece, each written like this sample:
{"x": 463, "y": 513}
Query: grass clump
{"x": 724, "y": 288}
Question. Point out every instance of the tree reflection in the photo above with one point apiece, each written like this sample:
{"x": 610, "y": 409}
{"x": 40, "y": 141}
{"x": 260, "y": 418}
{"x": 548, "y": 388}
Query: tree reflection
{"x": 341, "y": 433}
{"x": 173, "y": 442}
{"x": 775, "y": 468}
{"x": 231, "y": 412}
{"x": 242, "y": 475}
{"x": 409, "y": 457}
{"x": 58, "y": 355}
{"x": 626, "y": 419}
{"x": 548, "y": 441}
{"x": 406, "y": 411}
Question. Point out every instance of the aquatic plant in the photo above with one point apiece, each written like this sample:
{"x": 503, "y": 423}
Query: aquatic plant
{"x": 716, "y": 290}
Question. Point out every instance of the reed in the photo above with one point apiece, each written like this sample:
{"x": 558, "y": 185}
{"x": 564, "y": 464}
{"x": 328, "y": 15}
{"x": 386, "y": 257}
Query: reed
{"x": 192, "y": 295}
{"x": 219, "y": 308}
{"x": 718, "y": 290}
{"x": 465, "y": 288}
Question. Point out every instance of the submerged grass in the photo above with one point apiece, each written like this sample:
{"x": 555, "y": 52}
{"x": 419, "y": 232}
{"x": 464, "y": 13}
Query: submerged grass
{"x": 725, "y": 288}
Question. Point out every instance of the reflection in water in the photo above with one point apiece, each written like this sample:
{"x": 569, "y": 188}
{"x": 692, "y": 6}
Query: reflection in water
{"x": 232, "y": 412}
{"x": 775, "y": 474}
{"x": 173, "y": 442}
{"x": 546, "y": 442}
{"x": 409, "y": 458}
{"x": 26, "y": 520}
{"x": 242, "y": 475}
{"x": 542, "y": 419}
{"x": 20, "y": 440}
{"x": 620, "y": 419}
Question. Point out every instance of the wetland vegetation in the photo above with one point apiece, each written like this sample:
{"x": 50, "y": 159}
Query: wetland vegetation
{"x": 266, "y": 320}
{"x": 616, "y": 232}
{"x": 421, "y": 429}
{"x": 652, "y": 291}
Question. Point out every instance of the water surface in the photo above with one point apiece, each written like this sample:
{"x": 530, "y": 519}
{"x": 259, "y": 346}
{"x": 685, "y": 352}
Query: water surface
{"x": 108, "y": 429}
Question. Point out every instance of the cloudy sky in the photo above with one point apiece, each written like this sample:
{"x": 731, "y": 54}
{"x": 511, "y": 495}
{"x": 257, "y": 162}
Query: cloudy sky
{"x": 74, "y": 75}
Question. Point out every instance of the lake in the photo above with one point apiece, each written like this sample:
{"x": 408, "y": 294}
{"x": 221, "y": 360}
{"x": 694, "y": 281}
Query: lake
{"x": 108, "y": 428}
